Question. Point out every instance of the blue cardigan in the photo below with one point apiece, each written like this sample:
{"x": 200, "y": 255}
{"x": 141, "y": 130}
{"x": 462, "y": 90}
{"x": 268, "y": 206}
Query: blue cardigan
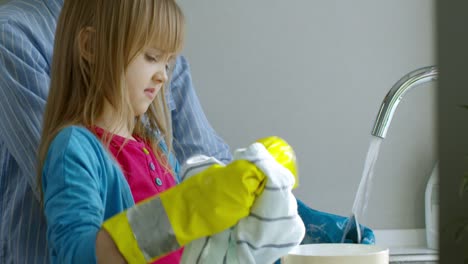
{"x": 83, "y": 186}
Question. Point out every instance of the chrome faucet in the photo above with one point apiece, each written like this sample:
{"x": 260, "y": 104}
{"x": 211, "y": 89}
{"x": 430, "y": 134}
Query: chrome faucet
{"x": 394, "y": 96}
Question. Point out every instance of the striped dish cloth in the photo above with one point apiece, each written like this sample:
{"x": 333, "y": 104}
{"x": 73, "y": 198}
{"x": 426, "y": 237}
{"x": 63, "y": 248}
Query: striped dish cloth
{"x": 271, "y": 230}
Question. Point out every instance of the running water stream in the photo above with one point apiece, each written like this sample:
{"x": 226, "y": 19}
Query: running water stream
{"x": 362, "y": 196}
{"x": 384, "y": 117}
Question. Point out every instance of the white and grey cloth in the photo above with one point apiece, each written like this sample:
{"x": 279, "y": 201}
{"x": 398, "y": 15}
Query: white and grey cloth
{"x": 271, "y": 230}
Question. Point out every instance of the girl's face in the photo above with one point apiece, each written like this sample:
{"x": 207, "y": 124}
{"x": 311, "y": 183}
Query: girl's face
{"x": 145, "y": 76}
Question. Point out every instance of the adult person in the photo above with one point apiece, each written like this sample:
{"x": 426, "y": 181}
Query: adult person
{"x": 27, "y": 31}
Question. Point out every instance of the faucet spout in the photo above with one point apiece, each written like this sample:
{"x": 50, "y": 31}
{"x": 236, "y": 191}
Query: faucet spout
{"x": 394, "y": 96}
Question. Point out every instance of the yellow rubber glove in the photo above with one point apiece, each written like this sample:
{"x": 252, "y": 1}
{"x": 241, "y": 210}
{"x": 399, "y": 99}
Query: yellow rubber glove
{"x": 206, "y": 203}
{"x": 213, "y": 200}
{"x": 283, "y": 154}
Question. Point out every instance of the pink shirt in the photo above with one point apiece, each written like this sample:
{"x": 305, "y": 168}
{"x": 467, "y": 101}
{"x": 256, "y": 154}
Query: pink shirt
{"x": 145, "y": 175}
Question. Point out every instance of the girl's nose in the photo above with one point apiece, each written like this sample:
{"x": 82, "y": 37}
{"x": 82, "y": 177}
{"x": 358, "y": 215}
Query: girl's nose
{"x": 160, "y": 76}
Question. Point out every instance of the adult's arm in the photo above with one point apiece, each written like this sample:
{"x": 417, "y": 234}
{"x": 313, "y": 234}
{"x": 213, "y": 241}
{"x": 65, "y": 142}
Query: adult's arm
{"x": 24, "y": 83}
{"x": 192, "y": 132}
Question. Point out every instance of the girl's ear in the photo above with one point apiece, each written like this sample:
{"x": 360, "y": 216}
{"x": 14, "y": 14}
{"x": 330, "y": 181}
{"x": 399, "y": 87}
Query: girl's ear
{"x": 85, "y": 45}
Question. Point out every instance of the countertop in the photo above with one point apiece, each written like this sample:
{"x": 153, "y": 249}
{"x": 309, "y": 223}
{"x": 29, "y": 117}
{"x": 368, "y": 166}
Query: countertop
{"x": 406, "y": 245}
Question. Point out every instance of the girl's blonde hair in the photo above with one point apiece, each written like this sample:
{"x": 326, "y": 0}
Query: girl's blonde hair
{"x": 84, "y": 76}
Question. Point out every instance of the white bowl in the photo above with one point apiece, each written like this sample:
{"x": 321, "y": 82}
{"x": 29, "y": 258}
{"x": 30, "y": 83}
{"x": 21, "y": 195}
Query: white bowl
{"x": 336, "y": 254}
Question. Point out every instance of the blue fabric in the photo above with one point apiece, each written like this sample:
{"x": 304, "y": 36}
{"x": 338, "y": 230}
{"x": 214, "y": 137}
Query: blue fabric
{"x": 26, "y": 41}
{"x": 322, "y": 227}
{"x": 83, "y": 186}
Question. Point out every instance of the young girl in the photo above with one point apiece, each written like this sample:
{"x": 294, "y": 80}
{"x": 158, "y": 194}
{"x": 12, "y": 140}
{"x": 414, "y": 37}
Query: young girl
{"x": 107, "y": 97}
{"x": 87, "y": 87}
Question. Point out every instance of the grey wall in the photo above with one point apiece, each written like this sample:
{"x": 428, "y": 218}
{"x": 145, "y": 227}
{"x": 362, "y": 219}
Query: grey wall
{"x": 315, "y": 72}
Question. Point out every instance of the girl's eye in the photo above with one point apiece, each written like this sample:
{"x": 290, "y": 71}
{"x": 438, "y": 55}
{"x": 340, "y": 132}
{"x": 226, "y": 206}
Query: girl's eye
{"x": 150, "y": 58}
{"x": 167, "y": 67}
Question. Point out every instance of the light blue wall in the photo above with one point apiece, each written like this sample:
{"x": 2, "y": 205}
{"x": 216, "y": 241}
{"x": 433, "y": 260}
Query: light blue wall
{"x": 315, "y": 73}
